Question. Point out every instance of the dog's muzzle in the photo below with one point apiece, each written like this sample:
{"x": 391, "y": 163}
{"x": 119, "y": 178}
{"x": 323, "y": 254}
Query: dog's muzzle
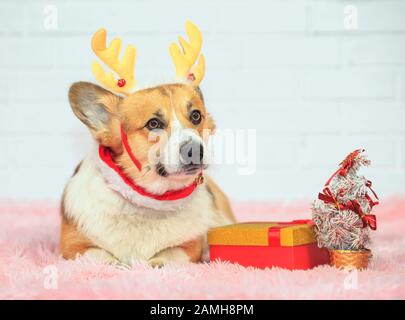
{"x": 191, "y": 156}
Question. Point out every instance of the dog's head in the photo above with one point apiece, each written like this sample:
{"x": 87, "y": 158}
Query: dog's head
{"x": 166, "y": 128}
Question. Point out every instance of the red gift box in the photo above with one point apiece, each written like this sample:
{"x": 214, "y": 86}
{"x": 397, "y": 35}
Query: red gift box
{"x": 289, "y": 245}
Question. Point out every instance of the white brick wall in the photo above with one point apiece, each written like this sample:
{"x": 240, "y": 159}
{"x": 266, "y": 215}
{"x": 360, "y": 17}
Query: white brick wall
{"x": 313, "y": 90}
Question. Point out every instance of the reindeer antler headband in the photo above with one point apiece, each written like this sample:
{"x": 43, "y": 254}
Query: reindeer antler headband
{"x": 122, "y": 79}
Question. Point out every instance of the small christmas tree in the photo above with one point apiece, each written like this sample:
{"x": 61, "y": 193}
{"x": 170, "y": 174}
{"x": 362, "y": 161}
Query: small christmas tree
{"x": 342, "y": 211}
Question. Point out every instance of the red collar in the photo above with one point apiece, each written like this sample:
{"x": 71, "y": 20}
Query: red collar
{"x": 107, "y": 157}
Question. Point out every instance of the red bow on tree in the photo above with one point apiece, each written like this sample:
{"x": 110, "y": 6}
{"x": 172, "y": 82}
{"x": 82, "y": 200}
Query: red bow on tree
{"x": 353, "y": 205}
{"x": 345, "y": 165}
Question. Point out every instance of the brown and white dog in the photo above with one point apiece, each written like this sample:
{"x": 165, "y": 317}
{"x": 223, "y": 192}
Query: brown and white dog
{"x": 119, "y": 206}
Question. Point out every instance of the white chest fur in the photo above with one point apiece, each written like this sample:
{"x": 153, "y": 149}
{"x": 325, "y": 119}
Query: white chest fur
{"x": 128, "y": 231}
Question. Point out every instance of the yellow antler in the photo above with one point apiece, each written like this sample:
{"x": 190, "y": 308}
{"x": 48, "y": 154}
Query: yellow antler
{"x": 185, "y": 55}
{"x": 110, "y": 56}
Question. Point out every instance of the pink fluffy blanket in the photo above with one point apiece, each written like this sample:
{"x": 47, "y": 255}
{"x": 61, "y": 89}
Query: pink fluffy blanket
{"x": 31, "y": 268}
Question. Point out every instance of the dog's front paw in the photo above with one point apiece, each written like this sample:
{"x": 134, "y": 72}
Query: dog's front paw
{"x": 157, "y": 262}
{"x": 102, "y": 256}
{"x": 174, "y": 255}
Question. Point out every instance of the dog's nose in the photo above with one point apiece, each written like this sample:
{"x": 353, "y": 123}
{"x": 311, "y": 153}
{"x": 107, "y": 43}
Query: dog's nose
{"x": 191, "y": 153}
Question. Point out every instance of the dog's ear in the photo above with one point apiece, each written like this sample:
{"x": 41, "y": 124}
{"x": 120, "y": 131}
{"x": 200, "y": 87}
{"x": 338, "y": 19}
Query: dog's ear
{"x": 97, "y": 109}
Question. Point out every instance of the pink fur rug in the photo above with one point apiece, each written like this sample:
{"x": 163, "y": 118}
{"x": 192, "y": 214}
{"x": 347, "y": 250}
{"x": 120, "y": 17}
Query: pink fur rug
{"x": 29, "y": 253}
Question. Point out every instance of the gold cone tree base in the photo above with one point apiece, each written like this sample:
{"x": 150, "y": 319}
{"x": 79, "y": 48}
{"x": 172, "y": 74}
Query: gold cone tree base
{"x": 350, "y": 259}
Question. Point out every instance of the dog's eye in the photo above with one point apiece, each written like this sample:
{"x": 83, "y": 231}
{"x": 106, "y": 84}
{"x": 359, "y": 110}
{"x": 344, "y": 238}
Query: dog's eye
{"x": 154, "y": 124}
{"x": 195, "y": 117}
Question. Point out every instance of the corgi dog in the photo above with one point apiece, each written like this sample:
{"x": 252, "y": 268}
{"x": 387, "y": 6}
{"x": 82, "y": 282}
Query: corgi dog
{"x": 142, "y": 195}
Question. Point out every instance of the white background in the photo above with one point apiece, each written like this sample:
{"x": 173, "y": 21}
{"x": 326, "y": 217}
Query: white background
{"x": 312, "y": 89}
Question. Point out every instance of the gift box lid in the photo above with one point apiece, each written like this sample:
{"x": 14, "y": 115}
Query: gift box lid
{"x": 285, "y": 234}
